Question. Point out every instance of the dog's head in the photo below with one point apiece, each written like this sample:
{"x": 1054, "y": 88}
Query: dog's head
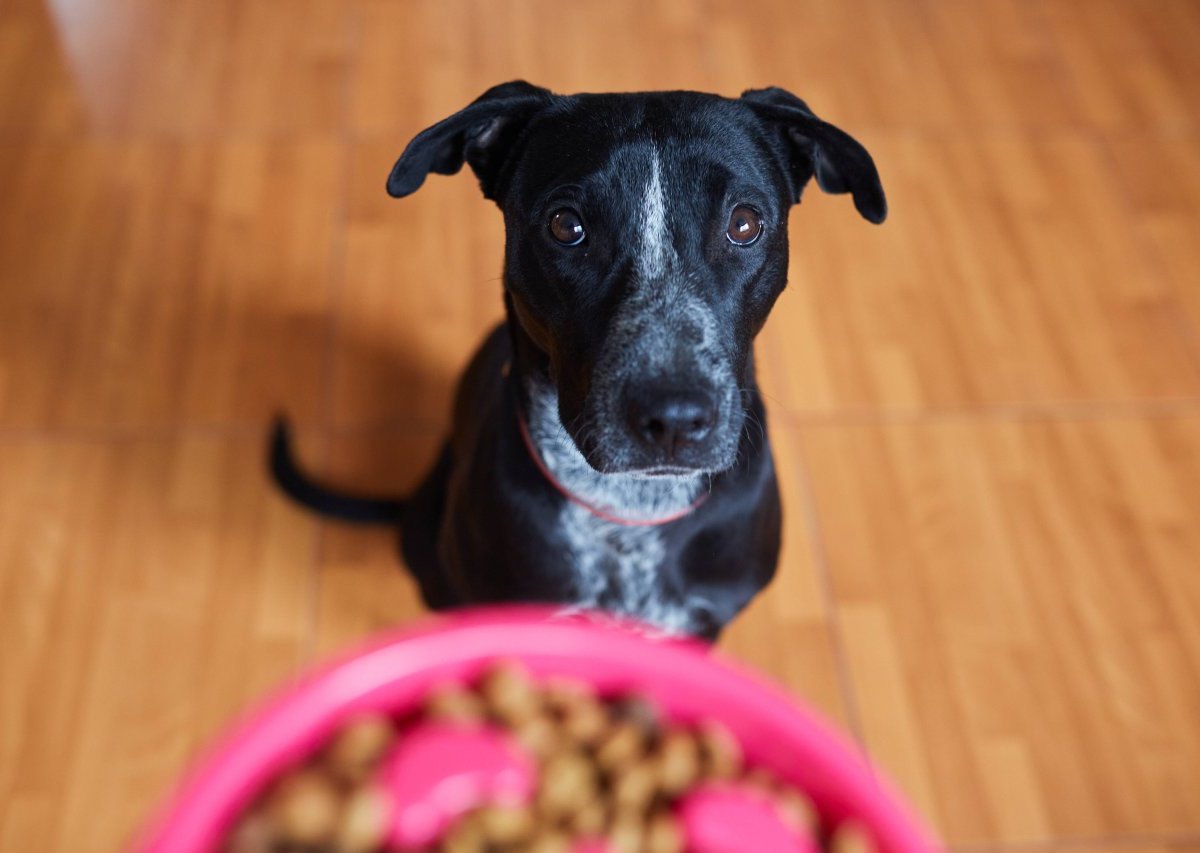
{"x": 646, "y": 244}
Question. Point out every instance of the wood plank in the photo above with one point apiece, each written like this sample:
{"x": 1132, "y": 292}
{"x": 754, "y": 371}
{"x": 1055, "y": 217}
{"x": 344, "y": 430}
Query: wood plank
{"x": 569, "y": 47}
{"x": 1005, "y": 276}
{"x": 37, "y": 90}
{"x": 153, "y": 283}
{"x": 1018, "y": 599}
{"x": 151, "y": 589}
{"x": 191, "y": 67}
{"x": 872, "y": 63}
{"x": 363, "y": 587}
{"x": 420, "y": 289}
{"x": 786, "y": 633}
{"x": 1161, "y": 179}
{"x": 1128, "y": 65}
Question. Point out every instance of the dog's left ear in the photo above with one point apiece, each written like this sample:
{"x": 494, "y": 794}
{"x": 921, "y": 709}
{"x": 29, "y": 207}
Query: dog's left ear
{"x": 814, "y": 147}
{"x": 481, "y": 134}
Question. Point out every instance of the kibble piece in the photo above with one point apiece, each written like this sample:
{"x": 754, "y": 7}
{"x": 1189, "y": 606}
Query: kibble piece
{"x": 359, "y": 746}
{"x": 253, "y": 834}
{"x": 559, "y": 691}
{"x": 640, "y": 711}
{"x": 568, "y": 784}
{"x": 539, "y": 736}
{"x": 678, "y": 762}
{"x": 590, "y": 820}
{"x": 364, "y": 822}
{"x": 454, "y": 703}
{"x": 722, "y": 753}
{"x": 795, "y": 808}
{"x": 625, "y": 834}
{"x": 509, "y": 693}
{"x": 304, "y": 808}
{"x": 623, "y": 746}
{"x": 635, "y": 787}
{"x": 550, "y": 841}
{"x": 465, "y": 836}
{"x": 507, "y": 824}
{"x": 849, "y": 837}
{"x": 584, "y": 721}
{"x": 664, "y": 835}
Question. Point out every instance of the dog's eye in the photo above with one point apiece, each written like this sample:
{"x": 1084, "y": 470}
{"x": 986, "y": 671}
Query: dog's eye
{"x": 566, "y": 227}
{"x": 745, "y": 226}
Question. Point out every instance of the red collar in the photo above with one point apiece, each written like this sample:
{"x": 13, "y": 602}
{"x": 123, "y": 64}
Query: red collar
{"x": 592, "y": 508}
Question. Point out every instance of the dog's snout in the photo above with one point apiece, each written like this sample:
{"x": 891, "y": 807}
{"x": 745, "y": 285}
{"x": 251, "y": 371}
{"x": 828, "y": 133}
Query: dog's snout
{"x": 670, "y": 419}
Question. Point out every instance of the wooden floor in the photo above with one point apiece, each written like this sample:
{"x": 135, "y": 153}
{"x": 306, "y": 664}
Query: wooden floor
{"x": 986, "y": 412}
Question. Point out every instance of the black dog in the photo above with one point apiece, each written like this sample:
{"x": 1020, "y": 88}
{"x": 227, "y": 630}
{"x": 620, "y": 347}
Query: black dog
{"x": 609, "y": 446}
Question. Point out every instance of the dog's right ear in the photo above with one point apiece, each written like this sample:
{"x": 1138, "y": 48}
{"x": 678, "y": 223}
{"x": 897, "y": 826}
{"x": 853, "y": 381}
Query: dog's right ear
{"x": 482, "y": 135}
{"x": 815, "y": 147}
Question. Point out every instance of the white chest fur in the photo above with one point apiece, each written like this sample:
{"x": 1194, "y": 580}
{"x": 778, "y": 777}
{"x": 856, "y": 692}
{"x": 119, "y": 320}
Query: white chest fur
{"x": 619, "y": 569}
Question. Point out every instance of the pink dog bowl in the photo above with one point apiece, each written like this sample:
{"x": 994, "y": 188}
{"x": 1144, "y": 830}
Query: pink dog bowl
{"x": 688, "y": 682}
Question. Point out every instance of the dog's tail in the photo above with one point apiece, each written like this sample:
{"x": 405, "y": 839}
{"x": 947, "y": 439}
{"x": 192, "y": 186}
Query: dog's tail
{"x": 355, "y": 508}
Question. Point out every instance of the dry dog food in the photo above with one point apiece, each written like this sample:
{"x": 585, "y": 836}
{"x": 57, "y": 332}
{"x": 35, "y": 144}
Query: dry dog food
{"x": 609, "y": 776}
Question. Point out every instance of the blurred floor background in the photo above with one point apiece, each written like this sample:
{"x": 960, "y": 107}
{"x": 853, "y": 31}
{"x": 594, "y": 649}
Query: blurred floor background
{"x": 986, "y": 412}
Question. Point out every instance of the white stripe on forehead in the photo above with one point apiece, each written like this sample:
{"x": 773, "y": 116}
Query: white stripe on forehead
{"x": 656, "y": 234}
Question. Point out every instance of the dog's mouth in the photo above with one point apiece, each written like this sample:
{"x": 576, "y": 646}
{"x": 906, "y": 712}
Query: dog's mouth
{"x": 661, "y": 471}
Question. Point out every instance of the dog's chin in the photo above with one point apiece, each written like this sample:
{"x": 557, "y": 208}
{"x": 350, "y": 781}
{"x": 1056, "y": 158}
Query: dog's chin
{"x": 629, "y": 460}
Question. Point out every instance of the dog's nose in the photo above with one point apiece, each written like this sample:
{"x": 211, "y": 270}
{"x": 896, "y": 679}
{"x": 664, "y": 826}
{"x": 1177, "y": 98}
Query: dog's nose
{"x": 670, "y": 418}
